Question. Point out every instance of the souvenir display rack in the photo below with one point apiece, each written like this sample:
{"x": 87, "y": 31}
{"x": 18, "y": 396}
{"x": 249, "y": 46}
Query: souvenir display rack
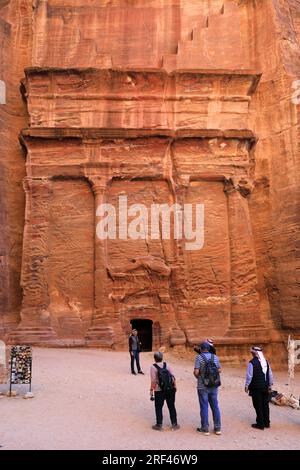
{"x": 20, "y": 366}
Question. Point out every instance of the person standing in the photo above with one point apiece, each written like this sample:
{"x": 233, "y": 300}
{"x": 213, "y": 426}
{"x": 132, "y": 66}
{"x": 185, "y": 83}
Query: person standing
{"x": 134, "y": 351}
{"x": 212, "y": 349}
{"x": 207, "y": 370}
{"x": 259, "y": 381}
{"x": 163, "y": 388}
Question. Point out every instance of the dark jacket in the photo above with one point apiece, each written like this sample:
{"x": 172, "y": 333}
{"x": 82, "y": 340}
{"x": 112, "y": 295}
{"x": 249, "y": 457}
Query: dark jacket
{"x": 259, "y": 381}
{"x": 139, "y": 344}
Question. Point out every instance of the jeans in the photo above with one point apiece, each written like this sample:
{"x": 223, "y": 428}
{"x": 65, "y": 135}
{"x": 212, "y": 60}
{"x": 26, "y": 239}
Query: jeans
{"x": 135, "y": 355}
{"x": 260, "y": 400}
{"x": 159, "y": 399}
{"x": 209, "y": 396}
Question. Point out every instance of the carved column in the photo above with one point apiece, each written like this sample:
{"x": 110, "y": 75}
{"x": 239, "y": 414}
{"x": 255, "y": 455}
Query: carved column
{"x": 179, "y": 278}
{"x": 245, "y": 305}
{"x": 35, "y": 325}
{"x": 4, "y": 270}
{"x": 104, "y": 322}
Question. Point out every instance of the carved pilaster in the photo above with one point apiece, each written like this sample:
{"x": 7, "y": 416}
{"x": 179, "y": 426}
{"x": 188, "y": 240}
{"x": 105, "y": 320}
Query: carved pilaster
{"x": 105, "y": 321}
{"x": 99, "y": 185}
{"x": 179, "y": 276}
{"x": 245, "y": 306}
{"x": 35, "y": 325}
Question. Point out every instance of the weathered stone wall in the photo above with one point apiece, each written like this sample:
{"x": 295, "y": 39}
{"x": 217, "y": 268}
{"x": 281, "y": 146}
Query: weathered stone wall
{"x": 275, "y": 202}
{"x": 166, "y": 101}
{"x": 15, "y": 45}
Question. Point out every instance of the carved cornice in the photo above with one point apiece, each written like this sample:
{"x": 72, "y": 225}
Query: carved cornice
{"x": 145, "y": 99}
{"x": 129, "y": 133}
{"x": 197, "y": 71}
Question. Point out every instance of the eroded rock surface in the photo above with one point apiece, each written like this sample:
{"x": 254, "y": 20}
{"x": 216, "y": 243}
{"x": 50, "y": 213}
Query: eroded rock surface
{"x": 165, "y": 102}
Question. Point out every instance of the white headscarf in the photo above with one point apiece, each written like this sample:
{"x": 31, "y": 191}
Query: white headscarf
{"x": 259, "y": 354}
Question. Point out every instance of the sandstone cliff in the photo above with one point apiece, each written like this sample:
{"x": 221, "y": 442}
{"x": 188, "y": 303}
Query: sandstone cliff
{"x": 167, "y": 101}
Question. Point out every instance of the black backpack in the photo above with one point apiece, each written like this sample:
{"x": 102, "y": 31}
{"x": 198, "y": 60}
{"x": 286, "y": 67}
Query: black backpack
{"x": 165, "y": 378}
{"x": 211, "y": 377}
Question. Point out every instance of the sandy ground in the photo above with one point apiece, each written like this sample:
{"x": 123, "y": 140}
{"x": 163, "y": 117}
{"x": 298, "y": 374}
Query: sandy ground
{"x": 87, "y": 399}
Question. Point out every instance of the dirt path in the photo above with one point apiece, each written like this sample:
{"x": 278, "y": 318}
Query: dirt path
{"x": 87, "y": 399}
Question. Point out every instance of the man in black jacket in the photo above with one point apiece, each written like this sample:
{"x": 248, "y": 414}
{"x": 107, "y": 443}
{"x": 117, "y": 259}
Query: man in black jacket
{"x": 259, "y": 381}
{"x": 134, "y": 351}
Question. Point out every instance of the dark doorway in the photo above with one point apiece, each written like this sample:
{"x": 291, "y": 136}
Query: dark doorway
{"x": 144, "y": 328}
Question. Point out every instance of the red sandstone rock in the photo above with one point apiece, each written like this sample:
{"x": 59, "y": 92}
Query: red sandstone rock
{"x": 169, "y": 102}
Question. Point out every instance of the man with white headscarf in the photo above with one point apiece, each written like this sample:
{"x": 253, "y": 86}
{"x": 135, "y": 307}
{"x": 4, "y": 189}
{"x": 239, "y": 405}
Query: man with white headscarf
{"x": 259, "y": 381}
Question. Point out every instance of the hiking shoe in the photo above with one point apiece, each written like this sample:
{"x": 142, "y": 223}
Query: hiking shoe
{"x": 217, "y": 432}
{"x": 134, "y": 373}
{"x": 157, "y": 427}
{"x": 141, "y": 372}
{"x": 256, "y": 426}
{"x": 174, "y": 427}
{"x": 203, "y": 431}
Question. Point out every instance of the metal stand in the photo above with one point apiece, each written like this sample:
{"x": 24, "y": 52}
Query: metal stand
{"x": 10, "y": 384}
{"x": 30, "y": 375}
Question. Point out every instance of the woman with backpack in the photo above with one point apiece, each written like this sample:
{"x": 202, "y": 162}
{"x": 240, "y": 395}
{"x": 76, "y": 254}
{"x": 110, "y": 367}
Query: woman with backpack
{"x": 207, "y": 370}
{"x": 163, "y": 388}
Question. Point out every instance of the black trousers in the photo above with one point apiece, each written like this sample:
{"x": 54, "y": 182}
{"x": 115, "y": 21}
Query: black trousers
{"x": 260, "y": 400}
{"x": 159, "y": 399}
{"x": 135, "y": 356}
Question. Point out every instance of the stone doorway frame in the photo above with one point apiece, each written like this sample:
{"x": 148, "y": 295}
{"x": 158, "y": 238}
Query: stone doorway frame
{"x": 135, "y": 322}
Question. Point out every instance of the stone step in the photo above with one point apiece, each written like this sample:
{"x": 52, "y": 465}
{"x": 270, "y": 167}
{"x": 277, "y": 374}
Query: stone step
{"x": 34, "y": 328}
{"x": 31, "y": 335}
{"x": 206, "y": 46}
{"x": 100, "y": 336}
